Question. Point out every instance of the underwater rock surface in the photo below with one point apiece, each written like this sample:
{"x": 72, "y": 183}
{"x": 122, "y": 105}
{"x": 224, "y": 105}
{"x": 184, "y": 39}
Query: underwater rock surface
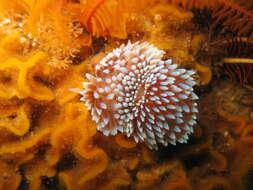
{"x": 48, "y": 139}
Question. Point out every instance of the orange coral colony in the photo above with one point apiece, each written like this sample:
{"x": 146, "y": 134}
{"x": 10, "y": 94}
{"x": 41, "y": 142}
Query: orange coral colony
{"x": 50, "y": 140}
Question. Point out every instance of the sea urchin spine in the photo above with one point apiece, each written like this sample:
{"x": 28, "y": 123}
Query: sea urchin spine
{"x": 137, "y": 93}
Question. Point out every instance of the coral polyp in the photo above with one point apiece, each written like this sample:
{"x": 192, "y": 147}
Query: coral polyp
{"x": 137, "y": 93}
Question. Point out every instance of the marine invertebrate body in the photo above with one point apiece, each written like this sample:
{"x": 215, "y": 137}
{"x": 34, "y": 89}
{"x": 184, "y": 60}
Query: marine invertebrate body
{"x": 135, "y": 92}
{"x": 97, "y": 15}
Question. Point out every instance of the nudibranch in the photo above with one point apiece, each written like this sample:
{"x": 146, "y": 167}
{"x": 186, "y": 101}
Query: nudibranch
{"x": 135, "y": 92}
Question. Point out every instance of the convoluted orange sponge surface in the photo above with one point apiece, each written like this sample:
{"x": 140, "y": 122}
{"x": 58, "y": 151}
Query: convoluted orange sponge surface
{"x": 47, "y": 137}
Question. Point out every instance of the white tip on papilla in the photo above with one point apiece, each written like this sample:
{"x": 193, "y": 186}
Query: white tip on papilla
{"x": 76, "y": 90}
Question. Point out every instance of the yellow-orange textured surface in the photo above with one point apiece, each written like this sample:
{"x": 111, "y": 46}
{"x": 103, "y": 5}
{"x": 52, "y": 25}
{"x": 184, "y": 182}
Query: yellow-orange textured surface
{"x": 47, "y": 137}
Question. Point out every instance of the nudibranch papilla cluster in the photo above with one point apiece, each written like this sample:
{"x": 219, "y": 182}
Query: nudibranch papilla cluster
{"x": 134, "y": 91}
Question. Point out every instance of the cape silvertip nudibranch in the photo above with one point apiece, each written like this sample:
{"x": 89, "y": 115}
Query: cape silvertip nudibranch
{"x": 134, "y": 91}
